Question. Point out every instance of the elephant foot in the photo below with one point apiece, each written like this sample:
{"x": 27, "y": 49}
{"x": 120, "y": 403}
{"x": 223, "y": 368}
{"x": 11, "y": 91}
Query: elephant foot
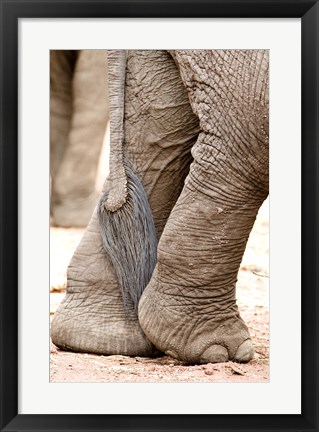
{"x": 73, "y": 213}
{"x": 91, "y": 317}
{"x": 196, "y": 333}
{"x": 97, "y": 332}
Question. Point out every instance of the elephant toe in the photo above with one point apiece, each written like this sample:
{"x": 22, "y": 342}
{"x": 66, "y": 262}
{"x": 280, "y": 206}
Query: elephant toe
{"x": 214, "y": 354}
{"x": 245, "y": 352}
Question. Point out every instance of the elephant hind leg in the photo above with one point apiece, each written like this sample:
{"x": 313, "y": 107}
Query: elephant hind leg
{"x": 160, "y": 129}
{"x": 189, "y": 308}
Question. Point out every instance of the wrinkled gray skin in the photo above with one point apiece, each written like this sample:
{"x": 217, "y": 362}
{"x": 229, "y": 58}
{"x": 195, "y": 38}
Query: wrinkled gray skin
{"x": 78, "y": 118}
{"x": 196, "y": 133}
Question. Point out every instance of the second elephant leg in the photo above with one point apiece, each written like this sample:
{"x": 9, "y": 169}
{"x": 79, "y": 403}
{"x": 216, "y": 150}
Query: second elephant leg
{"x": 160, "y": 129}
{"x": 74, "y": 194}
{"x": 62, "y": 63}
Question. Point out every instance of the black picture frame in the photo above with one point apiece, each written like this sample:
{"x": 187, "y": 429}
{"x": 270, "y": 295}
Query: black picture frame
{"x": 11, "y": 11}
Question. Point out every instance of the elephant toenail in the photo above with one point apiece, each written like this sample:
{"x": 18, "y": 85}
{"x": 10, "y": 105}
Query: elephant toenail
{"x": 245, "y": 352}
{"x": 214, "y": 354}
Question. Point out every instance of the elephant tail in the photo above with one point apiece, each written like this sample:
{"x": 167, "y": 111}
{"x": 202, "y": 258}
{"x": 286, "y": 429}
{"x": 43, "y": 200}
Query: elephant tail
{"x": 126, "y": 222}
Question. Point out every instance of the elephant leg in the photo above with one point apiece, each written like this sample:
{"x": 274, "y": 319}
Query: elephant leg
{"x": 74, "y": 188}
{"x": 188, "y": 309}
{"x": 160, "y": 129}
{"x": 62, "y": 65}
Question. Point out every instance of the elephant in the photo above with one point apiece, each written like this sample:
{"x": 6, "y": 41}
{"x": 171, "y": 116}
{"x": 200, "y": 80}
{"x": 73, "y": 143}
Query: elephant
{"x": 78, "y": 121}
{"x": 156, "y": 269}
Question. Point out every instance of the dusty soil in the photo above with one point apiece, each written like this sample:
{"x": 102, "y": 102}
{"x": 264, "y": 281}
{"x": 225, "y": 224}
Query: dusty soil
{"x": 252, "y": 295}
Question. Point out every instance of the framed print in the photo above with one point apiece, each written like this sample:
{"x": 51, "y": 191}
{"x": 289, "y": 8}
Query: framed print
{"x": 161, "y": 56}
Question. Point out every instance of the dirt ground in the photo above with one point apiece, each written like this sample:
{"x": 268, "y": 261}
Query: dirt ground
{"x": 253, "y": 302}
